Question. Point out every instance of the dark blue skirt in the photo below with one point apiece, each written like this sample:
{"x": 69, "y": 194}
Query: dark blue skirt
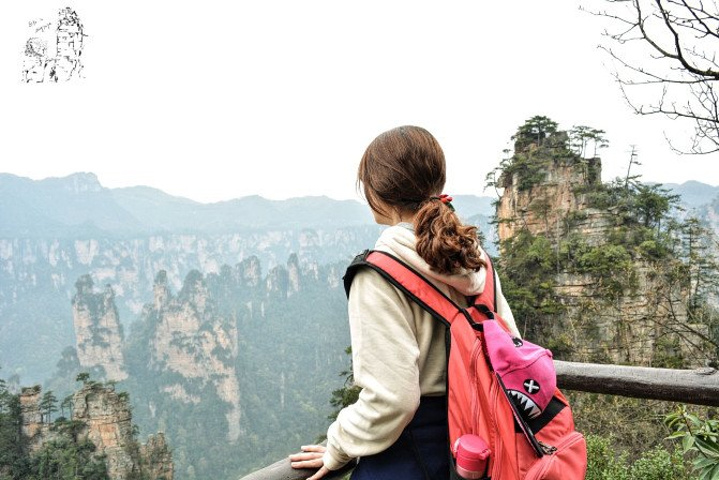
{"x": 420, "y": 453}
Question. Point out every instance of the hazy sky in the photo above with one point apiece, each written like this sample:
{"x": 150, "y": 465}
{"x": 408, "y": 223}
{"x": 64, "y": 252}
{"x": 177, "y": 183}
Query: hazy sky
{"x": 217, "y": 99}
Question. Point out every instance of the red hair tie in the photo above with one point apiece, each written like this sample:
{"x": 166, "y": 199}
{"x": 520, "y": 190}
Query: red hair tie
{"x": 444, "y": 198}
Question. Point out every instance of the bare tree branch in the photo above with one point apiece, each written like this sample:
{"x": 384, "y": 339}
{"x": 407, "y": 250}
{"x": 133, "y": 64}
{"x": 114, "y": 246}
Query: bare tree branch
{"x": 667, "y": 49}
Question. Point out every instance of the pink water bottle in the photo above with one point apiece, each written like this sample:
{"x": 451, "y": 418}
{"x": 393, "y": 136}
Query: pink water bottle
{"x": 472, "y": 454}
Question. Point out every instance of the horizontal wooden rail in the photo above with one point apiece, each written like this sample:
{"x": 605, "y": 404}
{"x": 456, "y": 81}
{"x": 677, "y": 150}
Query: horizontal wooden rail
{"x": 283, "y": 471}
{"x": 698, "y": 387}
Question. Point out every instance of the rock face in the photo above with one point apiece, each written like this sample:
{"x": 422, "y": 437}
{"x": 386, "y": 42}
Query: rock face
{"x": 33, "y": 426}
{"x": 157, "y": 458}
{"x": 190, "y": 341}
{"x": 196, "y": 342}
{"x": 109, "y": 426}
{"x": 543, "y": 208}
{"x": 547, "y": 194}
{"x": 37, "y": 276}
{"x": 98, "y": 332}
{"x": 226, "y": 360}
{"x": 107, "y": 423}
{"x": 627, "y": 330}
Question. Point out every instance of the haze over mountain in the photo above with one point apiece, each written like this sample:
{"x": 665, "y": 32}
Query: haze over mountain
{"x": 693, "y": 193}
{"x": 53, "y": 231}
{"x": 79, "y": 204}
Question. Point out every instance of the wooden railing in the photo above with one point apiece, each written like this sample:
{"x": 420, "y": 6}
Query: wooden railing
{"x": 697, "y": 387}
{"x": 283, "y": 471}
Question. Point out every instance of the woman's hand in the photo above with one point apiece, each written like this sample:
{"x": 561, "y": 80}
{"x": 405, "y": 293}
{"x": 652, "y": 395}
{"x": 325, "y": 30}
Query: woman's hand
{"x": 311, "y": 457}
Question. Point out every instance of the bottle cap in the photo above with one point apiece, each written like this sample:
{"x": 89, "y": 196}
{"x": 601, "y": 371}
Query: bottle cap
{"x": 472, "y": 453}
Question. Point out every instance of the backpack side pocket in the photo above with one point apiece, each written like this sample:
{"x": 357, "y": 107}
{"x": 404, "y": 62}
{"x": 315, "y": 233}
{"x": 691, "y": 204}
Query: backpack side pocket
{"x": 567, "y": 462}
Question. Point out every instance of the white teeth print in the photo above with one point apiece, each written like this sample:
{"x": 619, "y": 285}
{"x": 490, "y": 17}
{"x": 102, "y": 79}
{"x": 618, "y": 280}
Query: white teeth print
{"x": 525, "y": 404}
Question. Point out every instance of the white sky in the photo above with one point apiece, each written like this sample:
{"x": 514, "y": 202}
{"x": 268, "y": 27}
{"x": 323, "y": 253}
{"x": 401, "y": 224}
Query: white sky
{"x": 217, "y": 99}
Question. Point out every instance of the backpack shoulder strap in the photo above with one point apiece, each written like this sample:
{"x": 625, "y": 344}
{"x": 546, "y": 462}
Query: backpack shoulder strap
{"x": 407, "y": 280}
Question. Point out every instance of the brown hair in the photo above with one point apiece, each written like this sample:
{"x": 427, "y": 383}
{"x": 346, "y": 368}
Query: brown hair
{"x": 404, "y": 168}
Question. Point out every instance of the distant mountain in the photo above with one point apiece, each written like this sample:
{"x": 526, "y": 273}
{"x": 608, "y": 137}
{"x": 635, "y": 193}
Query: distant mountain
{"x": 694, "y": 194}
{"x": 471, "y": 205}
{"x": 478, "y": 211}
{"x": 58, "y": 206}
{"x": 56, "y": 230}
{"x": 155, "y": 209}
{"x": 79, "y": 206}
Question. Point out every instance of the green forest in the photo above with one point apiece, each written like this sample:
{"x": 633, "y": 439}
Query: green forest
{"x": 626, "y": 241}
{"x": 648, "y": 249}
{"x": 65, "y": 456}
{"x": 285, "y": 354}
{"x": 290, "y": 359}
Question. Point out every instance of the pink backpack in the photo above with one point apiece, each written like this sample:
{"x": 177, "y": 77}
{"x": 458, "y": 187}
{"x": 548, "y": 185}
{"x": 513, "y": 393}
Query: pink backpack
{"x": 499, "y": 387}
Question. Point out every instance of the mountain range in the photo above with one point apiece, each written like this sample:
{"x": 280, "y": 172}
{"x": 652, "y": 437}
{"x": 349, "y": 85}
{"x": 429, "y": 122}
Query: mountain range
{"x": 694, "y": 194}
{"x": 56, "y": 230}
{"x": 239, "y": 268}
{"x": 79, "y": 205}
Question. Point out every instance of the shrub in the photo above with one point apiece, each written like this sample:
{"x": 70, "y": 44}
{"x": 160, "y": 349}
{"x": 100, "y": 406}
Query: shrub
{"x": 605, "y": 463}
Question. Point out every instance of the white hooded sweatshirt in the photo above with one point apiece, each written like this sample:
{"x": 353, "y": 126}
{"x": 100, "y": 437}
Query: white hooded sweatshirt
{"x": 398, "y": 351}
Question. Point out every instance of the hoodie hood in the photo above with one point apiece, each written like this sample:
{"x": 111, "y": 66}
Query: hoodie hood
{"x": 400, "y": 241}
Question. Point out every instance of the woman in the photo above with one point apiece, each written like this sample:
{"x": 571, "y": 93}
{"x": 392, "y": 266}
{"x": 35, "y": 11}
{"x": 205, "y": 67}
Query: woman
{"x": 398, "y": 427}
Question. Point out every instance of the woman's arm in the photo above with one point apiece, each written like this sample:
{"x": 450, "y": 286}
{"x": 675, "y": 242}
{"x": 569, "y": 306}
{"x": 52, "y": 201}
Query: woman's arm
{"x": 385, "y": 364}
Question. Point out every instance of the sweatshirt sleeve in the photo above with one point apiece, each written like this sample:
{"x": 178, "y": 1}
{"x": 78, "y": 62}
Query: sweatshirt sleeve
{"x": 385, "y": 357}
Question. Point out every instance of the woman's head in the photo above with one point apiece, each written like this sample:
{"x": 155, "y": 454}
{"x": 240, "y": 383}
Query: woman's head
{"x": 402, "y": 172}
{"x": 401, "y": 169}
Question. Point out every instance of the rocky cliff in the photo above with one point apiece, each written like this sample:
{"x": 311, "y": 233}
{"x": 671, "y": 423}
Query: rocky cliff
{"x": 34, "y": 428}
{"x": 542, "y": 203}
{"x": 98, "y": 332}
{"x": 194, "y": 340}
{"x": 104, "y": 417}
{"x": 222, "y": 363}
{"x": 37, "y": 277}
{"x": 610, "y": 289}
